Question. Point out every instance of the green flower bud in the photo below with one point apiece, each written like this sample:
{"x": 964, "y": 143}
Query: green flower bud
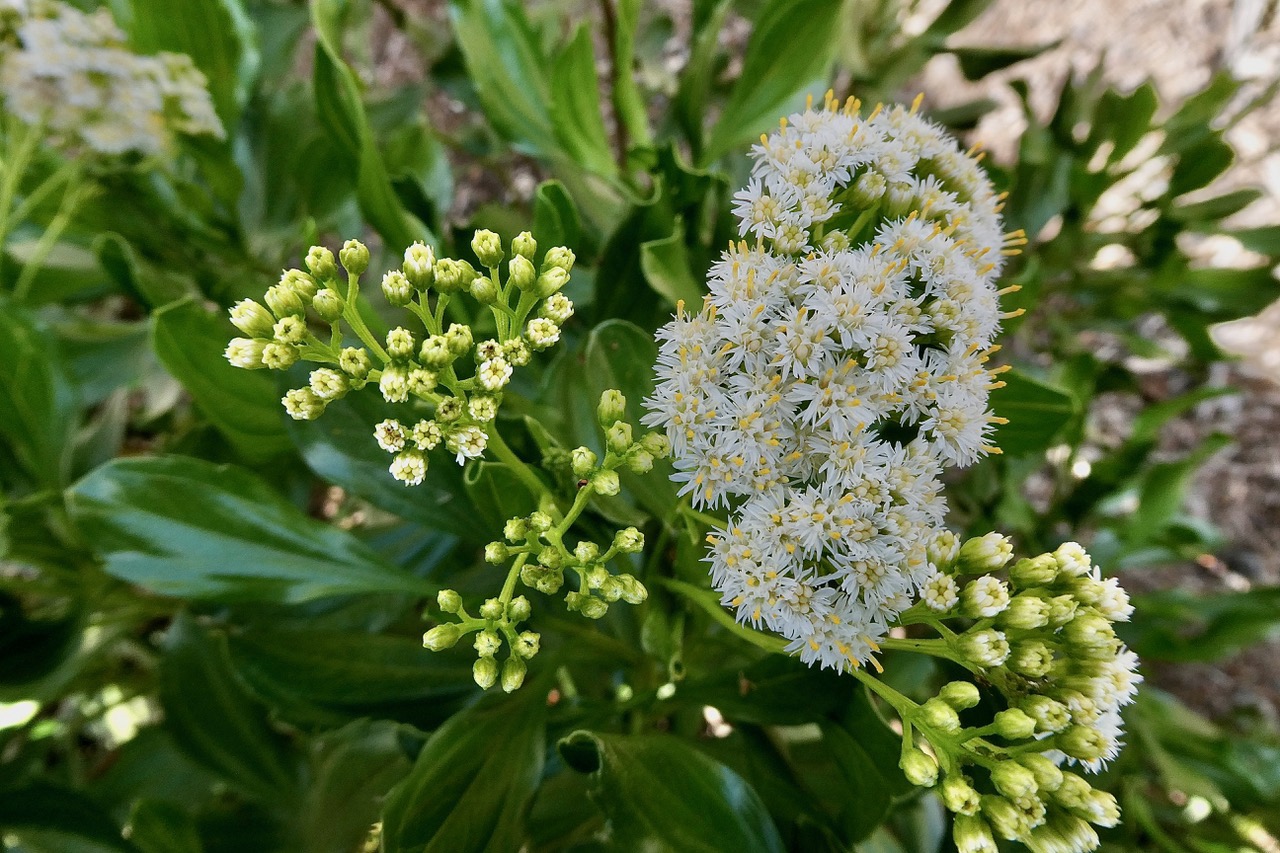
{"x": 419, "y": 266}
{"x": 354, "y": 257}
{"x": 394, "y": 384}
{"x": 492, "y": 609}
{"x": 972, "y": 835}
{"x": 960, "y": 695}
{"x": 551, "y": 557}
{"x": 1047, "y": 774}
{"x": 441, "y": 637}
{"x": 513, "y": 672}
{"x": 920, "y": 769}
{"x": 612, "y": 408}
{"x": 521, "y": 272}
{"x": 278, "y": 356}
{"x": 1073, "y": 791}
{"x": 245, "y": 353}
{"x": 515, "y": 530}
{"x": 657, "y": 444}
{"x": 544, "y": 580}
{"x": 611, "y": 589}
{"x": 496, "y": 552}
{"x": 488, "y": 248}
{"x": 488, "y": 643}
{"x": 1034, "y": 571}
{"x": 1102, "y": 809}
{"x": 400, "y": 343}
{"x": 541, "y": 333}
{"x": 593, "y": 608}
{"x": 899, "y": 198}
{"x": 321, "y": 263}
{"x": 618, "y": 437}
{"x": 397, "y": 289}
{"x": 524, "y": 245}
{"x": 329, "y": 304}
{"x": 1062, "y": 609}
{"x": 869, "y": 188}
{"x": 1089, "y": 630}
{"x": 551, "y": 281}
{"x": 355, "y": 363}
{"x": 519, "y": 609}
{"x": 329, "y": 384}
{"x": 252, "y": 319}
{"x": 290, "y": 330}
{"x": 299, "y": 282}
{"x": 586, "y": 552}
{"x": 1082, "y": 742}
{"x": 1050, "y": 715}
{"x": 633, "y": 592}
{"x": 459, "y": 340}
{"x": 984, "y": 647}
{"x": 453, "y": 276}
{"x": 1086, "y": 590}
{"x": 449, "y": 601}
{"x": 984, "y": 554}
{"x": 639, "y": 462}
{"x": 449, "y": 410}
{"x": 485, "y": 672}
{"x": 1013, "y": 780}
{"x": 942, "y": 550}
{"x": 1031, "y": 659}
{"x": 302, "y": 404}
{"x": 285, "y": 301}
{"x": 1025, "y": 612}
{"x": 1004, "y": 817}
{"x": 583, "y": 461}
{"x": 483, "y": 290}
{"x": 629, "y": 541}
{"x": 605, "y": 482}
{"x": 1072, "y": 559}
{"x": 958, "y": 795}
{"x": 517, "y": 352}
{"x": 597, "y": 576}
{"x": 560, "y": 258}
{"x": 527, "y": 644}
{"x": 983, "y": 598}
{"x": 540, "y": 522}
{"x": 557, "y": 308}
{"x": 422, "y": 382}
{"x": 937, "y": 714}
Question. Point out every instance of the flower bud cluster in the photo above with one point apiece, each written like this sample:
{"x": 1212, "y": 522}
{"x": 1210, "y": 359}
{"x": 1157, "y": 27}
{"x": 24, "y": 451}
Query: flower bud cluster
{"x": 73, "y": 74}
{"x": 539, "y": 557}
{"x": 836, "y": 367}
{"x": 442, "y": 367}
{"x": 1044, "y": 640}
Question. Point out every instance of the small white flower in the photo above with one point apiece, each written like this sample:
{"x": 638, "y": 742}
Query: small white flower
{"x": 467, "y": 443}
{"x": 390, "y": 435}
{"x": 494, "y": 373}
{"x": 409, "y": 467}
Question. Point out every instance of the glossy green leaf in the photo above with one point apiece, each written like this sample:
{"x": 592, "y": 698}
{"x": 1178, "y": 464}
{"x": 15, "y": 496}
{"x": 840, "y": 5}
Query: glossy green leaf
{"x": 668, "y": 270}
{"x": 243, "y": 404}
{"x": 185, "y": 527}
{"x": 791, "y": 47}
{"x": 555, "y": 217}
{"x": 864, "y": 791}
{"x": 343, "y": 113}
{"x": 575, "y": 106}
{"x": 38, "y": 408}
{"x": 215, "y": 721}
{"x": 662, "y": 794}
{"x": 472, "y": 784}
{"x": 765, "y": 692}
{"x": 1037, "y": 412}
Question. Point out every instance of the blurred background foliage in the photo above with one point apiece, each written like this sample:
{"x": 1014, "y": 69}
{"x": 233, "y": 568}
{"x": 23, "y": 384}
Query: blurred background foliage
{"x": 209, "y": 617}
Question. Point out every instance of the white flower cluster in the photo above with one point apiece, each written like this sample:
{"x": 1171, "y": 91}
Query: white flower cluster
{"x": 73, "y": 74}
{"x": 836, "y": 367}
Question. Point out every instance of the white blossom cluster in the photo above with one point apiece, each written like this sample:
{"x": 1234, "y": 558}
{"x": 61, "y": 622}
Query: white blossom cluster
{"x": 73, "y": 74}
{"x": 836, "y": 367}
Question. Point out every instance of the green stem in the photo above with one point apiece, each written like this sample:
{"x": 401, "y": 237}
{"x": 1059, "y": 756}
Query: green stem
{"x": 934, "y": 648}
{"x": 71, "y": 199}
{"x": 515, "y": 463}
{"x": 351, "y": 312}
{"x": 17, "y": 158}
{"x": 707, "y": 602}
{"x": 67, "y": 171}
{"x": 705, "y": 518}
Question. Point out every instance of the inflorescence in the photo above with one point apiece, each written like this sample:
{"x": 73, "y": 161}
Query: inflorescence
{"x": 838, "y": 365}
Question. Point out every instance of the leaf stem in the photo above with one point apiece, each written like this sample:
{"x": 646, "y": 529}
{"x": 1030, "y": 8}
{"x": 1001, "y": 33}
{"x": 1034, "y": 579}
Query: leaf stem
{"x": 707, "y": 602}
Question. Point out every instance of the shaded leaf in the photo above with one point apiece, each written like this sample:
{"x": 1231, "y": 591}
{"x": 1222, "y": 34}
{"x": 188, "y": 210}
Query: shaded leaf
{"x": 1037, "y": 412}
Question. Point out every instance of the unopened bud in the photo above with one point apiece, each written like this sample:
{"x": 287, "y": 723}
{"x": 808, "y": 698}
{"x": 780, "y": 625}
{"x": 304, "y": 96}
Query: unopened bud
{"x": 1083, "y": 743}
{"x": 329, "y": 304}
{"x": 487, "y": 247}
{"x": 984, "y": 598}
{"x": 869, "y": 188}
{"x": 1025, "y": 612}
{"x": 252, "y": 319}
{"x": 984, "y": 647}
{"x": 943, "y": 549}
{"x": 618, "y": 437}
{"x": 633, "y": 592}
{"x": 1013, "y": 780}
{"x": 487, "y": 643}
{"x": 441, "y": 637}
{"x": 492, "y": 609}
{"x": 449, "y": 601}
{"x": 1072, "y": 559}
{"x": 606, "y": 483}
{"x": 612, "y": 408}
{"x": 496, "y": 552}
{"x": 1047, "y": 774}
{"x": 355, "y": 363}
{"x": 354, "y": 257}
{"x": 515, "y": 530}
{"x": 540, "y": 522}
{"x": 583, "y": 461}
{"x": 453, "y": 276}
{"x": 560, "y": 257}
{"x": 639, "y": 462}
{"x": 551, "y": 281}
{"x": 629, "y": 541}
{"x": 586, "y": 552}
{"x": 1034, "y": 571}
{"x": 246, "y": 353}
{"x": 656, "y": 443}
{"x": 397, "y": 289}
{"x": 1050, "y": 714}
{"x": 519, "y": 609}
{"x": 919, "y": 768}
{"x": 278, "y": 356}
{"x": 483, "y": 290}
{"x": 958, "y": 795}
{"x": 527, "y": 644}
{"x": 984, "y": 554}
{"x": 593, "y": 608}
{"x": 419, "y": 266}
{"x": 521, "y": 272}
{"x": 321, "y": 263}
{"x": 285, "y": 301}
{"x": 960, "y": 695}
{"x": 513, "y": 672}
{"x": 937, "y": 714}
{"x": 1004, "y": 817}
{"x": 485, "y": 672}
{"x": 524, "y": 245}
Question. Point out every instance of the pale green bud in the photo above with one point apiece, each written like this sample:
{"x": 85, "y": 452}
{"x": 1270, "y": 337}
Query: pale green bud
{"x": 517, "y": 352}
{"x": 321, "y": 263}
{"x": 298, "y": 281}
{"x": 920, "y": 769}
{"x": 1089, "y": 630}
{"x": 583, "y": 461}
{"x": 618, "y": 437}
{"x": 435, "y": 352}
{"x": 561, "y": 258}
{"x": 527, "y": 644}
{"x": 449, "y": 410}
{"x": 1034, "y": 571}
{"x": 252, "y": 319}
{"x": 355, "y": 363}
{"x": 983, "y": 598}
{"x": 524, "y": 245}
{"x": 869, "y": 188}
{"x": 1102, "y": 809}
{"x": 419, "y": 266}
{"x": 441, "y": 637}
{"x": 629, "y": 541}
{"x": 1013, "y": 780}
{"x": 633, "y": 592}
{"x": 302, "y": 404}
{"x": 329, "y": 384}
{"x": 937, "y": 714}
{"x": 958, "y": 795}
{"x": 329, "y": 304}
{"x": 453, "y": 276}
{"x": 593, "y": 608}
{"x": 491, "y": 609}
{"x": 540, "y": 522}
{"x": 290, "y": 330}
{"x": 1050, "y": 714}
{"x": 421, "y": 382}
{"x": 557, "y": 308}
{"x": 1031, "y": 658}
{"x": 515, "y": 530}
{"x": 612, "y": 408}
{"x": 972, "y": 835}
{"x": 397, "y": 289}
{"x": 483, "y": 290}
{"x": 1062, "y": 609}
{"x": 1073, "y": 791}
{"x": 551, "y": 281}
{"x": 657, "y": 444}
{"x": 487, "y": 247}
{"x": 496, "y": 552}
{"x": 521, "y": 272}
{"x": 513, "y": 672}
{"x": 1072, "y": 559}
{"x": 278, "y": 356}
{"x": 1047, "y": 774}
{"x": 1086, "y": 590}
{"x": 984, "y": 554}
{"x": 544, "y": 580}
{"x": 899, "y": 198}
{"x": 1082, "y": 742}
{"x": 354, "y": 257}
{"x": 459, "y": 340}
{"x": 606, "y": 482}
{"x": 597, "y": 576}
{"x": 449, "y": 601}
{"x": 1025, "y": 612}
{"x": 485, "y": 672}
{"x": 942, "y": 550}
{"x": 611, "y": 589}
{"x": 400, "y": 343}
{"x": 960, "y": 695}
{"x": 245, "y": 353}
{"x": 394, "y": 384}
{"x": 639, "y": 462}
{"x": 488, "y": 643}
{"x": 1004, "y": 817}
{"x": 285, "y": 301}
{"x": 541, "y": 333}
{"x": 551, "y": 557}
{"x": 519, "y": 609}
{"x": 984, "y": 647}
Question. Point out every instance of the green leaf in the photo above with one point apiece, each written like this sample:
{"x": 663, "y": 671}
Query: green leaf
{"x": 690, "y": 104}
{"x": 338, "y": 101}
{"x": 1037, "y": 412}
{"x": 49, "y": 818}
{"x": 243, "y": 404}
{"x": 575, "y": 106}
{"x": 1216, "y": 208}
{"x": 218, "y": 35}
{"x": 1179, "y": 625}
{"x": 159, "y": 827}
{"x": 215, "y": 721}
{"x": 497, "y": 494}
{"x": 185, "y": 527}
{"x": 864, "y": 792}
{"x": 667, "y": 268}
{"x": 1264, "y": 240}
{"x": 471, "y": 786}
{"x": 954, "y": 16}
{"x": 662, "y": 794}
{"x": 1164, "y": 488}
{"x": 1200, "y": 165}
{"x": 791, "y": 47}
{"x": 555, "y": 217}
{"x": 978, "y": 62}
{"x": 765, "y": 692}
{"x": 38, "y": 409}
{"x": 1122, "y": 119}
{"x": 510, "y": 72}
{"x": 628, "y": 103}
